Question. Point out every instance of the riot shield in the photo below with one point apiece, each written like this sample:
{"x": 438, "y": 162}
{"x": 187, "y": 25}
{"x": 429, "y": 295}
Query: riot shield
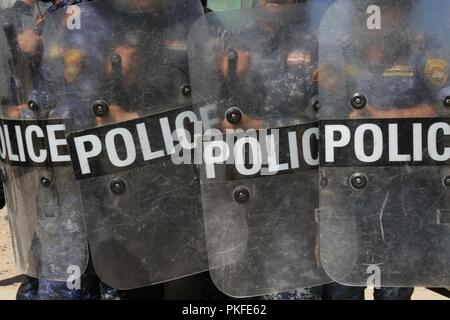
{"x": 43, "y": 198}
{"x": 123, "y": 65}
{"x": 4, "y": 70}
{"x": 4, "y": 90}
{"x": 384, "y": 94}
{"x": 253, "y": 77}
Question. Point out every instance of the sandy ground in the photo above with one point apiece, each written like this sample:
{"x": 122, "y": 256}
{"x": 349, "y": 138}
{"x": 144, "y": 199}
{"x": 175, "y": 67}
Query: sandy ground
{"x": 9, "y": 276}
{"x": 8, "y": 273}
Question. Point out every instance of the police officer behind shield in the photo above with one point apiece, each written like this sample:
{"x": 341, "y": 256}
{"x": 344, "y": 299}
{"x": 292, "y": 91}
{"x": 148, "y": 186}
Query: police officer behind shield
{"x": 146, "y": 66}
{"x": 391, "y": 76}
{"x": 128, "y": 48}
{"x": 295, "y": 81}
{"x": 301, "y": 64}
{"x": 388, "y": 60}
{"x": 25, "y": 41}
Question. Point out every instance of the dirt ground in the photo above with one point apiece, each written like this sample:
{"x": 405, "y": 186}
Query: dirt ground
{"x": 9, "y": 276}
{"x": 8, "y": 273}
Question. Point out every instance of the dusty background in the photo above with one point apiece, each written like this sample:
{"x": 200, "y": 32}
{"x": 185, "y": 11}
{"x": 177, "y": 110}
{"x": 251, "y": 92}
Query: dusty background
{"x": 10, "y": 278}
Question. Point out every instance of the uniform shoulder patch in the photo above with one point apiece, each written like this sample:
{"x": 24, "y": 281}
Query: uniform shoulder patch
{"x": 73, "y": 60}
{"x": 55, "y": 52}
{"x": 399, "y": 71}
{"x": 299, "y": 58}
{"x": 436, "y": 70}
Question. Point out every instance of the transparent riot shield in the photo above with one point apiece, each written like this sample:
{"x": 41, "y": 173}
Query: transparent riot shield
{"x": 384, "y": 181}
{"x": 123, "y": 67}
{"x": 4, "y": 69}
{"x": 43, "y": 198}
{"x": 254, "y": 77}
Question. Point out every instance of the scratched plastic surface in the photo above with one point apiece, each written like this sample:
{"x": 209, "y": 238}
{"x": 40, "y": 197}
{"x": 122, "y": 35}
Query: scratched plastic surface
{"x": 393, "y": 232}
{"x": 153, "y": 231}
{"x": 267, "y": 244}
